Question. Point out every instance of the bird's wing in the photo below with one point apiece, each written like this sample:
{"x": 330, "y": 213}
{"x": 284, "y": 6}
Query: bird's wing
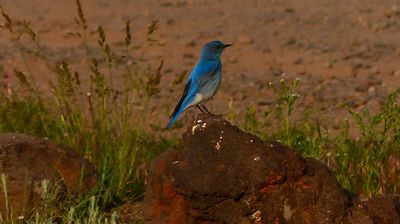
{"x": 206, "y": 72}
{"x": 184, "y": 94}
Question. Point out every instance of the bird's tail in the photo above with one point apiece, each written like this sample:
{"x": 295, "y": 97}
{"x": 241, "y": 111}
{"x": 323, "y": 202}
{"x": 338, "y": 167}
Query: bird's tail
{"x": 182, "y": 105}
{"x": 173, "y": 118}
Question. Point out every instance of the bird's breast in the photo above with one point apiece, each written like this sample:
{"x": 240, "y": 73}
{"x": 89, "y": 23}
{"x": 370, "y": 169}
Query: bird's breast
{"x": 211, "y": 87}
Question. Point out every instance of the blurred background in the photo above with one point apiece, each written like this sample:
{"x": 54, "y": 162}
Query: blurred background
{"x": 343, "y": 51}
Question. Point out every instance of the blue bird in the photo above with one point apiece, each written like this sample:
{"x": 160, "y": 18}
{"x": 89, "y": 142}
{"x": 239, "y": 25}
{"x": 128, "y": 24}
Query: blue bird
{"x": 203, "y": 81}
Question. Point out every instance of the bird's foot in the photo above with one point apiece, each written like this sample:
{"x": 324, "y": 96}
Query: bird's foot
{"x": 204, "y": 110}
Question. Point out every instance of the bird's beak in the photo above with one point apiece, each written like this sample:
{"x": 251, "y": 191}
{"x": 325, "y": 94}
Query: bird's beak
{"x": 227, "y": 45}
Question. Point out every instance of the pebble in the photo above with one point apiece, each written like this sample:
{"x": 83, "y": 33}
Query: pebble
{"x": 266, "y": 102}
{"x": 232, "y": 60}
{"x": 276, "y": 71}
{"x": 371, "y": 91}
{"x": 188, "y": 55}
{"x": 362, "y": 86}
{"x": 298, "y": 61}
{"x": 290, "y": 41}
{"x": 191, "y": 43}
{"x": 244, "y": 39}
{"x": 395, "y": 73}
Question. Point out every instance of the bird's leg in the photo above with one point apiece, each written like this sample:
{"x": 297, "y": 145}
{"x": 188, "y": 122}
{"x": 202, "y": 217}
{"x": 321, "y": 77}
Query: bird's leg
{"x": 205, "y": 108}
{"x": 202, "y": 111}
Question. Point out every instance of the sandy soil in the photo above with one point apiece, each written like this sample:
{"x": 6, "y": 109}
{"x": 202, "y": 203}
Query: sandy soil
{"x": 343, "y": 51}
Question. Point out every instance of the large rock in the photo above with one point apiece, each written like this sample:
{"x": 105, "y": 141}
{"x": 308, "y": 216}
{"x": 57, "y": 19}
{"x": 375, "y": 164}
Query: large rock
{"x": 27, "y": 161}
{"x": 223, "y": 175}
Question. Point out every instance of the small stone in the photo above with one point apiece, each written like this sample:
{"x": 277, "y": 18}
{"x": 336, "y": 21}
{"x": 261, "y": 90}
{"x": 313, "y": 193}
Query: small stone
{"x": 372, "y": 91}
{"x": 170, "y": 21}
{"x": 232, "y": 60}
{"x": 276, "y": 71}
{"x": 266, "y": 102}
{"x": 290, "y": 41}
{"x": 373, "y": 81}
{"x": 328, "y": 64}
{"x": 374, "y": 70}
{"x": 244, "y": 39}
{"x": 191, "y": 43}
{"x": 188, "y": 55}
{"x": 362, "y": 86}
{"x": 289, "y": 10}
{"x": 395, "y": 73}
{"x": 298, "y": 61}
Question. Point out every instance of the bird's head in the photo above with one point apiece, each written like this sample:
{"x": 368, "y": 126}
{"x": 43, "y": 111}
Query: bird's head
{"x": 213, "y": 50}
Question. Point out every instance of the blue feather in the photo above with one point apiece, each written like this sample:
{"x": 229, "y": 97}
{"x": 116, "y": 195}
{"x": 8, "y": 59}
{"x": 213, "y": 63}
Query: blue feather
{"x": 203, "y": 81}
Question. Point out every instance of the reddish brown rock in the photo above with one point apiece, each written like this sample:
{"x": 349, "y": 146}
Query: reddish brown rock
{"x": 129, "y": 213}
{"x": 223, "y": 175}
{"x": 381, "y": 209}
{"x": 27, "y": 161}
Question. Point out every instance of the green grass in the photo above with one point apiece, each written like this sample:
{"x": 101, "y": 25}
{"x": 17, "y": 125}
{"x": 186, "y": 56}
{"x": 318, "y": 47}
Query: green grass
{"x": 98, "y": 120}
{"x": 366, "y": 165}
{"x": 95, "y": 118}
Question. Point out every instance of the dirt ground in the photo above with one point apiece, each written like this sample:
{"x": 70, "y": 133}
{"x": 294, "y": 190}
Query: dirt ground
{"x": 345, "y": 51}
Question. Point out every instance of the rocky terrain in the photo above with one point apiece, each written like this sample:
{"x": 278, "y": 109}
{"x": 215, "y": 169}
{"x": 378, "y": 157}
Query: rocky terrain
{"x": 221, "y": 174}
